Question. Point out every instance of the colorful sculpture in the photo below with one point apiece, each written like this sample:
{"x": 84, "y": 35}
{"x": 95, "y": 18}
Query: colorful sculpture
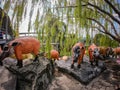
{"x": 22, "y": 45}
{"x": 78, "y": 52}
{"x": 93, "y": 53}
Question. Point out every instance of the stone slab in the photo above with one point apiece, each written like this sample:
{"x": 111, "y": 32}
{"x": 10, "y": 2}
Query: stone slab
{"x": 33, "y": 76}
{"x": 7, "y": 79}
{"x": 85, "y": 74}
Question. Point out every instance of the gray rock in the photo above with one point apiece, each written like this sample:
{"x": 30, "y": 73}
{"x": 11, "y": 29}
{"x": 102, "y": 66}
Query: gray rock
{"x": 9, "y": 61}
{"x": 33, "y": 76}
{"x": 85, "y": 74}
{"x": 7, "y": 79}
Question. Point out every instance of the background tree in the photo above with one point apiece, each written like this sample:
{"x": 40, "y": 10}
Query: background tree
{"x": 103, "y": 15}
{"x": 68, "y": 20}
{"x": 44, "y": 18}
{"x": 104, "y": 40}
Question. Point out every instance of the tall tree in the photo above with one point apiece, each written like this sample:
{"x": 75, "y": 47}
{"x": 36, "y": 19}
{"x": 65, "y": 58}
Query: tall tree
{"x": 103, "y": 15}
{"x": 79, "y": 15}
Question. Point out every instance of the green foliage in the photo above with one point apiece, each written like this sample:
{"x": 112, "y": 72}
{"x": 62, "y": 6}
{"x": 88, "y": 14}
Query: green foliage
{"x": 2, "y": 15}
{"x": 7, "y": 5}
{"x": 52, "y": 25}
{"x": 88, "y": 39}
{"x": 104, "y": 40}
{"x": 54, "y": 29}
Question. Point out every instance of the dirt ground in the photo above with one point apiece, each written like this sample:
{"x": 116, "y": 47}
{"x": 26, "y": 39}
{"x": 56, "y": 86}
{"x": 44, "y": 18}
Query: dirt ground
{"x": 108, "y": 80}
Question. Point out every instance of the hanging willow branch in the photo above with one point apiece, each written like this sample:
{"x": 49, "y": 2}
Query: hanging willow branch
{"x": 107, "y": 19}
{"x": 98, "y": 29}
{"x": 98, "y": 24}
{"x": 113, "y": 7}
{"x": 113, "y": 27}
{"x": 117, "y": 39}
{"x": 105, "y": 12}
{"x": 105, "y": 30}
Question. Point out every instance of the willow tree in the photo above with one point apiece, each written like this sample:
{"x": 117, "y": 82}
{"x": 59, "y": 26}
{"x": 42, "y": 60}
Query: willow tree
{"x": 53, "y": 26}
{"x": 48, "y": 23}
{"x": 102, "y": 15}
{"x": 58, "y": 20}
{"x": 104, "y": 40}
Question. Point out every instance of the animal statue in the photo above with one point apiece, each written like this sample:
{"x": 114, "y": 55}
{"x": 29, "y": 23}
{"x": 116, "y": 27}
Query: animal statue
{"x": 93, "y": 53}
{"x": 21, "y": 45}
{"x": 109, "y": 52}
{"x": 116, "y": 52}
{"x": 103, "y": 51}
{"x": 24, "y": 56}
{"x": 54, "y": 54}
{"x": 78, "y": 52}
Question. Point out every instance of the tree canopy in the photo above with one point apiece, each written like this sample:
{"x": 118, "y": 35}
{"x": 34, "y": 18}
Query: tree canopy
{"x": 63, "y": 19}
{"x": 104, "y": 40}
{"x": 102, "y": 15}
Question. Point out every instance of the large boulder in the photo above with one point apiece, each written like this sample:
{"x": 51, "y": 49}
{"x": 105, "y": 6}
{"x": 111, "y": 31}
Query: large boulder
{"x": 33, "y": 76}
{"x": 7, "y": 79}
{"x": 85, "y": 74}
